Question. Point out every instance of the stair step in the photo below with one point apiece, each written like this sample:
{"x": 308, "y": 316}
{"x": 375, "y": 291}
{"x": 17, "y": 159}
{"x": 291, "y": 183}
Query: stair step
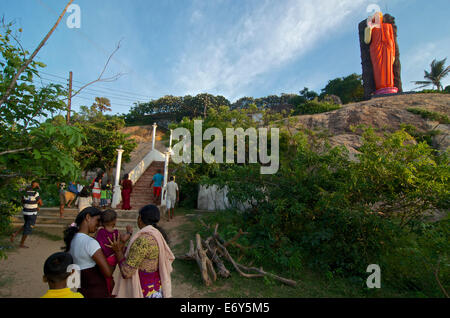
{"x": 62, "y": 226}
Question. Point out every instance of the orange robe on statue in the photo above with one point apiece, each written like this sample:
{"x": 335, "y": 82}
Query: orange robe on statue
{"x": 382, "y": 54}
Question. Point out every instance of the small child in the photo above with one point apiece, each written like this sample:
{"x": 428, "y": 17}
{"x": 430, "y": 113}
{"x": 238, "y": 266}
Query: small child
{"x": 84, "y": 199}
{"x": 109, "y": 193}
{"x": 55, "y": 274}
{"x": 108, "y": 220}
{"x": 103, "y": 197}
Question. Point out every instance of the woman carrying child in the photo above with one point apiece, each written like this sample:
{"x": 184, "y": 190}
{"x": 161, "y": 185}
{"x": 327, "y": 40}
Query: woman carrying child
{"x": 87, "y": 254}
{"x": 108, "y": 232}
{"x": 147, "y": 263}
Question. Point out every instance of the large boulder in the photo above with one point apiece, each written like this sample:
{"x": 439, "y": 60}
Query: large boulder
{"x": 386, "y": 114}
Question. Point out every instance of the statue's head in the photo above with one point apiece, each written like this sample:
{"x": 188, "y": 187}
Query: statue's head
{"x": 375, "y": 20}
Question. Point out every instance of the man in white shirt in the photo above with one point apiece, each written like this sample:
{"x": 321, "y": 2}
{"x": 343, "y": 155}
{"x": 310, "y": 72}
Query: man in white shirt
{"x": 172, "y": 194}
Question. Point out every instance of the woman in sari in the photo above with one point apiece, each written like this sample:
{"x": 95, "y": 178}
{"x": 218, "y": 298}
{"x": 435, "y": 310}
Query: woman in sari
{"x": 147, "y": 263}
{"x": 127, "y": 188}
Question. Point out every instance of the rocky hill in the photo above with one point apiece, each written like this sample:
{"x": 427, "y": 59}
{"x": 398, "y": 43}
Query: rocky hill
{"x": 385, "y": 113}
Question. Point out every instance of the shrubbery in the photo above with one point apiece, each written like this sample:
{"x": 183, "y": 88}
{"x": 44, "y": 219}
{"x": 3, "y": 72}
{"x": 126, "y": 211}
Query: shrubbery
{"x": 323, "y": 211}
{"x": 314, "y": 107}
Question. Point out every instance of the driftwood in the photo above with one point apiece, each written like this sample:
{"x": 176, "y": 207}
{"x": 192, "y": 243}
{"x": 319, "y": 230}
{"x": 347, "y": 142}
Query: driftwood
{"x": 209, "y": 252}
{"x": 204, "y": 263}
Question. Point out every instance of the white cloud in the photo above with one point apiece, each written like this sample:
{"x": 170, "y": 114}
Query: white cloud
{"x": 268, "y": 37}
{"x": 196, "y": 16}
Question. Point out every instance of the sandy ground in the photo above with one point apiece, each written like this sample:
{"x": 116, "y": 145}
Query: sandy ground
{"x": 21, "y": 273}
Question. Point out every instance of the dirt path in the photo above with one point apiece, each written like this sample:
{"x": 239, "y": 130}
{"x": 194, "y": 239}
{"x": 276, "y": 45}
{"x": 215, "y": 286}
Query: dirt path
{"x": 21, "y": 273}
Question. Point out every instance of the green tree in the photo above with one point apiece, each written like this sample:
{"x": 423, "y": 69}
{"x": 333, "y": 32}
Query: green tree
{"x": 103, "y": 137}
{"x": 174, "y": 108}
{"x": 103, "y": 104}
{"x": 349, "y": 88}
{"x": 29, "y": 149}
{"x": 436, "y": 74}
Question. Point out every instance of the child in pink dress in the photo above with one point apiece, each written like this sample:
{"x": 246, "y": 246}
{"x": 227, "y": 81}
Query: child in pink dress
{"x": 107, "y": 233}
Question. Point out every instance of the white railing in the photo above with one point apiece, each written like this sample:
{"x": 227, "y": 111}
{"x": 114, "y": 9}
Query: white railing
{"x": 141, "y": 167}
{"x": 138, "y": 171}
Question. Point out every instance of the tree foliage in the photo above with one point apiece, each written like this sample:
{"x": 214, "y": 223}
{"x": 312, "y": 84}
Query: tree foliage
{"x": 349, "y": 88}
{"x": 30, "y": 149}
{"x": 436, "y": 74}
{"x": 174, "y": 108}
{"x": 103, "y": 137}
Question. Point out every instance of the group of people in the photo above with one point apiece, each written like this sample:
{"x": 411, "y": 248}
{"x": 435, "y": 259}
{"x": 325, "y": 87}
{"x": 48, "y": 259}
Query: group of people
{"x": 145, "y": 264}
{"x": 170, "y": 193}
{"x": 80, "y": 196}
{"x": 144, "y": 259}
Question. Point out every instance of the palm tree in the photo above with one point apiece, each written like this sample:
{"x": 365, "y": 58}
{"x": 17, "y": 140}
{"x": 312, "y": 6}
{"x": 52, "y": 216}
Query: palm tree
{"x": 102, "y": 104}
{"x": 438, "y": 72}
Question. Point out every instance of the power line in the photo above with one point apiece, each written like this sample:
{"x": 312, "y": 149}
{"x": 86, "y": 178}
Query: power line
{"x": 112, "y": 104}
{"x": 96, "y": 92}
{"x": 98, "y": 47}
{"x": 90, "y": 99}
{"x": 118, "y": 90}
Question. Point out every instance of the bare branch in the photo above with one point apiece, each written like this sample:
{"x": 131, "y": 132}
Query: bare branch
{"x": 30, "y": 59}
{"x": 15, "y": 151}
{"x": 100, "y": 79}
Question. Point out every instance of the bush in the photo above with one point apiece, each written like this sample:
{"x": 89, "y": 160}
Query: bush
{"x": 315, "y": 107}
{"x": 323, "y": 211}
{"x": 420, "y": 261}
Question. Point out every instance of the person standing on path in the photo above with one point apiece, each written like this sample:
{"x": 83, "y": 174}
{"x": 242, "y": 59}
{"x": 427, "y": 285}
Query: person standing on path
{"x": 157, "y": 183}
{"x": 62, "y": 198}
{"x": 127, "y": 188}
{"x": 96, "y": 186}
{"x": 31, "y": 202}
{"x": 172, "y": 197}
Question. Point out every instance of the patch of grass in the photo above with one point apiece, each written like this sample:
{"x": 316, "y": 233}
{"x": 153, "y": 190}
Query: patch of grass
{"x": 426, "y": 114}
{"x": 49, "y": 236}
{"x": 315, "y": 107}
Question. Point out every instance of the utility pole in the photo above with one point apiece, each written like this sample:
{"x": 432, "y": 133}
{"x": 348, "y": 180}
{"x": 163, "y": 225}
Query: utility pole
{"x": 69, "y": 101}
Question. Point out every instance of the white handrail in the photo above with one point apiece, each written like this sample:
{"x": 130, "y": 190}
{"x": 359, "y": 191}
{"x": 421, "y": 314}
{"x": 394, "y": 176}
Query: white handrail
{"x": 136, "y": 173}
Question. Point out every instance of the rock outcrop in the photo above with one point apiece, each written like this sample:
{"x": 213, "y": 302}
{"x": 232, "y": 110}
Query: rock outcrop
{"x": 383, "y": 113}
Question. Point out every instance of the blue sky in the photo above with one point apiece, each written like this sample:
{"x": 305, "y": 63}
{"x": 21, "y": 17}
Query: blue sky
{"x": 233, "y": 48}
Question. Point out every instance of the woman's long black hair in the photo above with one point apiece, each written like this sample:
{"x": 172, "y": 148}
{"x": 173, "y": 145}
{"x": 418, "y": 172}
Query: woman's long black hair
{"x": 70, "y": 232}
{"x": 150, "y": 215}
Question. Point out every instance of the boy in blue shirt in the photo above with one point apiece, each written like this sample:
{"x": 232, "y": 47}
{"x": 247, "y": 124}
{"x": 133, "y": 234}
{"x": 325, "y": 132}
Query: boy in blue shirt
{"x": 157, "y": 183}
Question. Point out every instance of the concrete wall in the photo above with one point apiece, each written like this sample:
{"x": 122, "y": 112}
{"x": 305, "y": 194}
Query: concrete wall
{"x": 214, "y": 199}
